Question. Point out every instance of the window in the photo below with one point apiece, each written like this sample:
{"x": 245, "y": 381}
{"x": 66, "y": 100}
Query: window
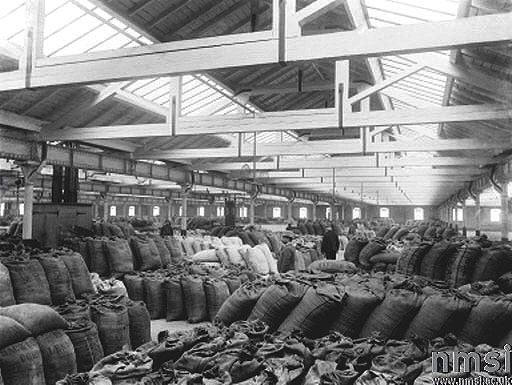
{"x": 21, "y": 209}
{"x": 131, "y": 211}
{"x": 156, "y": 211}
{"x": 384, "y": 212}
{"x": 328, "y": 213}
{"x": 180, "y": 211}
{"x": 113, "y": 211}
{"x": 303, "y": 213}
{"x": 356, "y": 213}
{"x": 200, "y": 211}
{"x": 2, "y": 209}
{"x": 276, "y": 212}
{"x": 495, "y": 215}
{"x": 243, "y": 212}
{"x": 419, "y": 214}
{"x": 458, "y": 214}
{"x": 220, "y": 211}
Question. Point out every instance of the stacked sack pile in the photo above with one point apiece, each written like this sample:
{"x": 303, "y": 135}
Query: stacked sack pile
{"x": 94, "y": 324}
{"x": 34, "y": 346}
{"x": 187, "y": 291}
{"x": 247, "y": 353}
{"x": 390, "y": 306}
{"x": 458, "y": 262}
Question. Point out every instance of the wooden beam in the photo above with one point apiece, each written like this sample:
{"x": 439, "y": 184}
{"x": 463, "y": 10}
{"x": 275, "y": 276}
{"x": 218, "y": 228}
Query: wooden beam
{"x": 385, "y": 83}
{"x": 316, "y": 9}
{"x": 347, "y": 146}
{"x": 411, "y": 172}
{"x": 257, "y": 48}
{"x": 258, "y": 89}
{"x": 288, "y": 120}
{"x": 11, "y": 119}
{"x": 371, "y": 180}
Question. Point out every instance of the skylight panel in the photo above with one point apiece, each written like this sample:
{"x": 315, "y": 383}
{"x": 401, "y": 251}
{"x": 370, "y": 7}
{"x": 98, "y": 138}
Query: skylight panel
{"x": 11, "y": 22}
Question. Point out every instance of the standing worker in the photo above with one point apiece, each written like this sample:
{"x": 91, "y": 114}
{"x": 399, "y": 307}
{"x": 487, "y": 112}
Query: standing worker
{"x": 166, "y": 229}
{"x": 330, "y": 243}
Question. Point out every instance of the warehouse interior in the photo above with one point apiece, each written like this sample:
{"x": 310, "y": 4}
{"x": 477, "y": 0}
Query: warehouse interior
{"x": 284, "y": 118}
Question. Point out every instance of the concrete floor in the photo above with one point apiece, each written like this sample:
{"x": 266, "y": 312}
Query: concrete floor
{"x": 161, "y": 324}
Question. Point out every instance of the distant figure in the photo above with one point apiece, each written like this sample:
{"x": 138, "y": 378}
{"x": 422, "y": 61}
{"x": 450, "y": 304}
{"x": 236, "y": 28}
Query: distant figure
{"x": 166, "y": 229}
{"x": 287, "y": 255}
{"x": 330, "y": 244}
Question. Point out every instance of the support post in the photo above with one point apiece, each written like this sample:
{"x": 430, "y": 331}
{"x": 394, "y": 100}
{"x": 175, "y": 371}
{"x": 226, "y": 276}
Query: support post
{"x": 314, "y": 211}
{"x": 365, "y": 107}
{"x": 464, "y": 228}
{"x": 105, "y": 208}
{"x": 57, "y": 175}
{"x": 251, "y": 211}
{"x": 184, "y": 201}
{"x": 504, "y": 212}
{"x": 290, "y": 211}
{"x": 34, "y": 37}
{"x": 174, "y": 104}
{"x": 478, "y": 225}
{"x": 28, "y": 200}
{"x": 169, "y": 210}
{"x": 342, "y": 85}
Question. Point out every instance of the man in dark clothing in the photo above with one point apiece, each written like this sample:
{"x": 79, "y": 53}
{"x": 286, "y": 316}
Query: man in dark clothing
{"x": 287, "y": 254}
{"x": 330, "y": 244}
{"x": 166, "y": 229}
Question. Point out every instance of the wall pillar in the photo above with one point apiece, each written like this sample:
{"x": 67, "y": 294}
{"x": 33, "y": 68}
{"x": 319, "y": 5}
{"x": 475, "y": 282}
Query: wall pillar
{"x": 504, "y": 212}
{"x": 290, "y": 211}
{"x": 314, "y": 211}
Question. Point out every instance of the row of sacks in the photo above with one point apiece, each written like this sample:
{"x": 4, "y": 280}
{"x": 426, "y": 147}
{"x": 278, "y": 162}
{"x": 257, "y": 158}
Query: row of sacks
{"x": 456, "y": 263}
{"x": 247, "y": 353}
{"x": 360, "y": 306}
{"x": 192, "y": 292}
{"x": 48, "y": 278}
{"x": 251, "y": 238}
{"x": 258, "y": 258}
{"x": 118, "y": 256}
{"x": 426, "y": 231}
{"x": 119, "y": 229}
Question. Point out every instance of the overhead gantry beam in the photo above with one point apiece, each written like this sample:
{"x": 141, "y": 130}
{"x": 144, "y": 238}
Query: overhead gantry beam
{"x": 64, "y": 156}
{"x": 287, "y": 120}
{"x": 257, "y": 48}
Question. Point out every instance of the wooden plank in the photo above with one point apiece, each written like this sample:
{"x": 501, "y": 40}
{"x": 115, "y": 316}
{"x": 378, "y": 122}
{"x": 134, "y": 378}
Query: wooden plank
{"x": 288, "y": 120}
{"x": 402, "y": 39}
{"x": 199, "y": 55}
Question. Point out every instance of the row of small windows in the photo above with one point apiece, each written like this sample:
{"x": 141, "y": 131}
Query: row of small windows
{"x": 419, "y": 214}
{"x": 458, "y": 215}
